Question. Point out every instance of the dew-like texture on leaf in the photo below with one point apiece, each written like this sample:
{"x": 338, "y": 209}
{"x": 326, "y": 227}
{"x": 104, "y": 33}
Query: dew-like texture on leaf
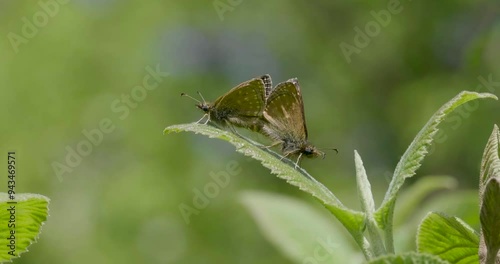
{"x": 30, "y": 212}
{"x": 449, "y": 238}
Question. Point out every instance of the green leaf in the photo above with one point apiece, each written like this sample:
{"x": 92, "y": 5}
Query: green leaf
{"x": 368, "y": 206}
{"x": 449, "y": 238}
{"x": 364, "y": 187}
{"x": 413, "y": 156}
{"x": 352, "y": 220}
{"x": 490, "y": 219}
{"x": 460, "y": 203}
{"x": 408, "y": 258}
{"x": 488, "y": 193}
{"x": 412, "y": 159}
{"x": 301, "y": 232}
{"x": 490, "y": 164}
{"x": 414, "y": 204}
{"x": 30, "y": 213}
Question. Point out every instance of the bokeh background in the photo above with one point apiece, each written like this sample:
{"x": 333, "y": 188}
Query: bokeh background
{"x": 120, "y": 204}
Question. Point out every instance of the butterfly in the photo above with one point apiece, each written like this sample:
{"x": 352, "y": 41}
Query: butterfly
{"x": 242, "y": 106}
{"x": 285, "y": 121}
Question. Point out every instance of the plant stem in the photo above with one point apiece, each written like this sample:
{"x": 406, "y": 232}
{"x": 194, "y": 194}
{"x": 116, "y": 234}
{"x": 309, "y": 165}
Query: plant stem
{"x": 388, "y": 230}
{"x": 375, "y": 238}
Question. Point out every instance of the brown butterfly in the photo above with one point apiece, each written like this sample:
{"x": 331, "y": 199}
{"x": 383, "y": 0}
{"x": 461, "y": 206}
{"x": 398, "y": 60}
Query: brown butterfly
{"x": 285, "y": 121}
{"x": 242, "y": 106}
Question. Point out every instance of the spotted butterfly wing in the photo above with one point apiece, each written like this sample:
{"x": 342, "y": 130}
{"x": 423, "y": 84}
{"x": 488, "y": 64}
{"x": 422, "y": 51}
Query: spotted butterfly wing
{"x": 285, "y": 113}
{"x": 242, "y": 105}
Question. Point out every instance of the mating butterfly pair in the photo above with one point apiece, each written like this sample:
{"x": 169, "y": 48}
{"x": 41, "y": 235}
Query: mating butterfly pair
{"x": 277, "y": 113}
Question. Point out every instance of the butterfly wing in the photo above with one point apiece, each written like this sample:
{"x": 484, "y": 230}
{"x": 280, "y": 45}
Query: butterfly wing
{"x": 285, "y": 112}
{"x": 245, "y": 100}
{"x": 295, "y": 82}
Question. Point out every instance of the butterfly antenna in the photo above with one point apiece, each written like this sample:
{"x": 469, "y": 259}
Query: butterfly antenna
{"x": 201, "y": 97}
{"x": 187, "y": 95}
{"x": 334, "y": 149}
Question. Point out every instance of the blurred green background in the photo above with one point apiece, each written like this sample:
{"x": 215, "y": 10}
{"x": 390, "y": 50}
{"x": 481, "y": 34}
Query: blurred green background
{"x": 61, "y": 75}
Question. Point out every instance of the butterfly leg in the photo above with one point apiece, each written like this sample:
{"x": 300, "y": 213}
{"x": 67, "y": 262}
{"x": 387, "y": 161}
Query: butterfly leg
{"x": 208, "y": 119}
{"x": 298, "y": 161}
{"x": 272, "y": 145}
{"x": 284, "y": 156}
{"x": 233, "y": 129}
{"x": 198, "y": 122}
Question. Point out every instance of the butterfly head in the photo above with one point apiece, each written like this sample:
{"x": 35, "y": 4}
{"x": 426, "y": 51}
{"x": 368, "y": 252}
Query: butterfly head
{"x": 311, "y": 151}
{"x": 203, "y": 105}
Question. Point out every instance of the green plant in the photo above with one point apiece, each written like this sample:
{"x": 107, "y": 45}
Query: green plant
{"x": 372, "y": 228}
{"x": 21, "y": 222}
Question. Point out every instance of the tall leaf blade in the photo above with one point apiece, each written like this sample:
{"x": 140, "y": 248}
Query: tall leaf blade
{"x": 490, "y": 220}
{"x": 489, "y": 194}
{"x": 413, "y": 156}
{"x": 490, "y": 164}
{"x": 412, "y": 159}
{"x": 368, "y": 206}
{"x": 364, "y": 187}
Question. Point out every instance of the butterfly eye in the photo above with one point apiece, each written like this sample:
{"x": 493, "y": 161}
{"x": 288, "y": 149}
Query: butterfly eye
{"x": 308, "y": 151}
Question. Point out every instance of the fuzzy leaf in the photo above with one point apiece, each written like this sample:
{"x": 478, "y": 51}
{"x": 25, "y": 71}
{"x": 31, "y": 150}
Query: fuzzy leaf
{"x": 490, "y": 218}
{"x": 412, "y": 159}
{"x": 459, "y": 203}
{"x": 490, "y": 164}
{"x": 413, "y": 156}
{"x": 352, "y": 220}
{"x": 490, "y": 168}
{"x": 30, "y": 211}
{"x": 408, "y": 258}
{"x": 364, "y": 187}
{"x": 368, "y": 206}
{"x": 448, "y": 238}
